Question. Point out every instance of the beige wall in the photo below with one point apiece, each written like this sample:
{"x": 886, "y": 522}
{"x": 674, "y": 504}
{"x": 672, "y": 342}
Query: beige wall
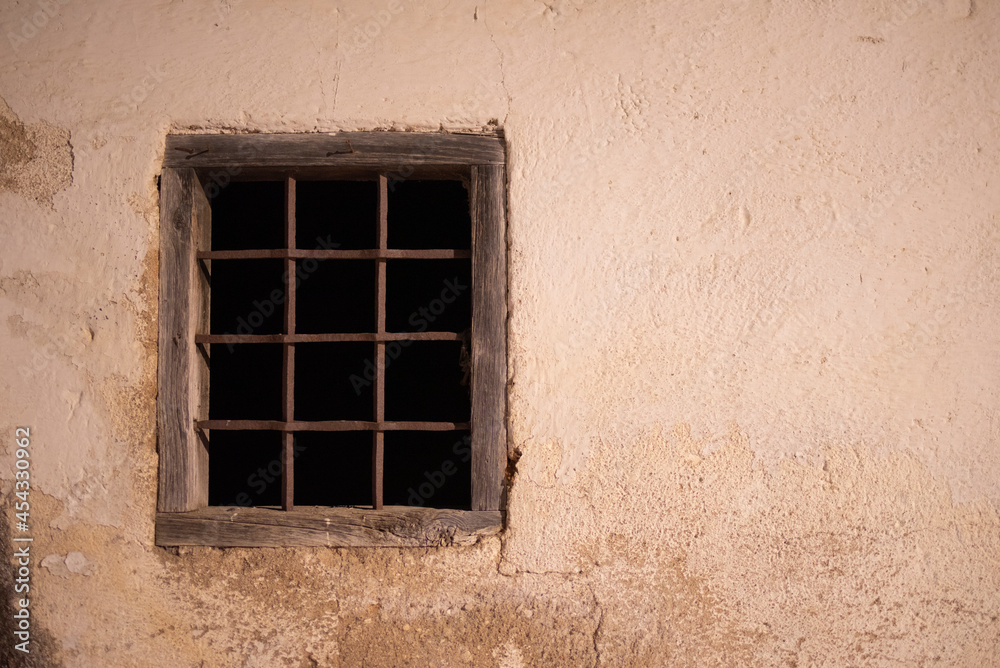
{"x": 754, "y": 335}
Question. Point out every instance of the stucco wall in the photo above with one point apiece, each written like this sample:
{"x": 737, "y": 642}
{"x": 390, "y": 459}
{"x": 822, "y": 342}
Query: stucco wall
{"x": 754, "y": 335}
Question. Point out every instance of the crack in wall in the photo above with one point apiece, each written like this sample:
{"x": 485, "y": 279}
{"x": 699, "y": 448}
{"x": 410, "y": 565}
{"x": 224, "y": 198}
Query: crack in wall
{"x": 597, "y": 629}
{"x": 503, "y": 75}
{"x": 340, "y": 67}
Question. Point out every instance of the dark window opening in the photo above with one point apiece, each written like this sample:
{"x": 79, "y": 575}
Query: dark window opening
{"x": 339, "y": 213}
{"x": 428, "y": 295}
{"x": 247, "y": 296}
{"x": 429, "y": 214}
{"x": 373, "y": 417}
{"x": 246, "y": 382}
{"x": 335, "y": 296}
{"x": 429, "y": 468}
{"x": 333, "y": 381}
{"x": 425, "y": 380}
{"x": 248, "y": 214}
{"x": 244, "y": 468}
{"x": 333, "y": 468}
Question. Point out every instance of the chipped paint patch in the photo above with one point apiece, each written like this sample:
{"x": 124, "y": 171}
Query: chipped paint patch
{"x": 36, "y": 161}
{"x": 70, "y": 564}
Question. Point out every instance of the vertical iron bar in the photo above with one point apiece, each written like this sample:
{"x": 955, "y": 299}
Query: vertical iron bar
{"x": 288, "y": 357}
{"x": 378, "y": 446}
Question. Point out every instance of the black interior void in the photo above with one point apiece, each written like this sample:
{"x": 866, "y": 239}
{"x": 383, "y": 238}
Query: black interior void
{"x": 428, "y": 295}
{"x": 333, "y": 468}
{"x": 429, "y": 214}
{"x": 428, "y": 468}
{"x": 245, "y": 381}
{"x": 247, "y": 296}
{"x": 335, "y": 296}
{"x": 244, "y": 468}
{"x": 426, "y": 381}
{"x": 336, "y": 214}
{"x": 247, "y": 214}
{"x": 334, "y": 381}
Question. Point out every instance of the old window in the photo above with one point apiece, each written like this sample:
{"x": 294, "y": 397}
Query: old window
{"x": 332, "y": 339}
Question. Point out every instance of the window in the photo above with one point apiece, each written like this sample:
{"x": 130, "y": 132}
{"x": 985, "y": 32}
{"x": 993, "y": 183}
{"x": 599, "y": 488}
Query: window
{"x": 332, "y": 339}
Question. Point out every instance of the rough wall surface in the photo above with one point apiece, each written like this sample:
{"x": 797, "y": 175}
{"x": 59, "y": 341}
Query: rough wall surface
{"x": 754, "y": 335}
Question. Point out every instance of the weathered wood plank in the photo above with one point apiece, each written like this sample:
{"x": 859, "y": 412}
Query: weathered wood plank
{"x": 393, "y": 526}
{"x": 288, "y": 356}
{"x": 489, "y": 339}
{"x": 213, "y": 176}
{"x": 397, "y": 151}
{"x": 201, "y": 315}
{"x": 378, "y": 391}
{"x": 181, "y": 377}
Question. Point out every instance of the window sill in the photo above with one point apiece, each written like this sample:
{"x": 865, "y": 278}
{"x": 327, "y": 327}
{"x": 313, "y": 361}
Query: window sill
{"x": 393, "y": 526}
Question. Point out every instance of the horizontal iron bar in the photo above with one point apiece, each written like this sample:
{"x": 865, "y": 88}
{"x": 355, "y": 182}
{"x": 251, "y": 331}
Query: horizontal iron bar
{"x": 328, "y": 425}
{"x": 336, "y": 254}
{"x": 327, "y": 338}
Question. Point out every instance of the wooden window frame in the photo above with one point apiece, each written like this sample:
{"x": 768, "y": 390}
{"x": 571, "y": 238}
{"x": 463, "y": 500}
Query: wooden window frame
{"x": 193, "y": 163}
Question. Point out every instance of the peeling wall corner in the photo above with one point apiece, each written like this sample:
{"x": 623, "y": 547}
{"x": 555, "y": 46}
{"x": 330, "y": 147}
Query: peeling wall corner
{"x": 36, "y": 161}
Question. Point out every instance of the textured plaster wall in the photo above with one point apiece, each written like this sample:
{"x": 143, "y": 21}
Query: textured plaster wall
{"x": 754, "y": 335}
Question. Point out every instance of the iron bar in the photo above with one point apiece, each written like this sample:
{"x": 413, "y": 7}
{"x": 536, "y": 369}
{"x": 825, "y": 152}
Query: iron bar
{"x": 337, "y": 254}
